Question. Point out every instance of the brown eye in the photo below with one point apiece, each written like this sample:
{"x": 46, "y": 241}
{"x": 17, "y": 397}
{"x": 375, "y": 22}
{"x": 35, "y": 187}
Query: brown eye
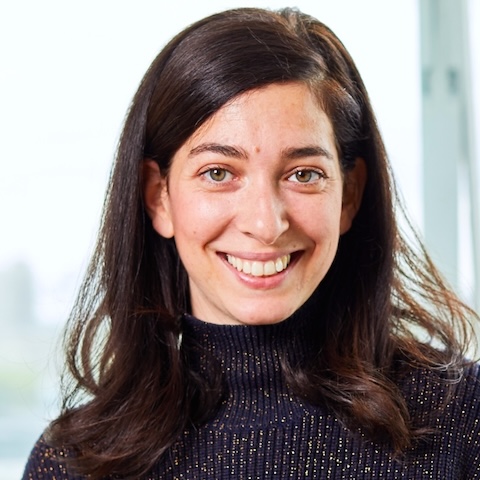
{"x": 217, "y": 174}
{"x": 305, "y": 176}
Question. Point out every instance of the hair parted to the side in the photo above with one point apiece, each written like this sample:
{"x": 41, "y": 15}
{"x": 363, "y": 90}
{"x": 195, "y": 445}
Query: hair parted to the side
{"x": 124, "y": 356}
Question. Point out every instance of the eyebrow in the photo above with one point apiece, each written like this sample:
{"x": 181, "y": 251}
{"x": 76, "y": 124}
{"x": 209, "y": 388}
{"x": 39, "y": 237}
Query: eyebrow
{"x": 308, "y": 151}
{"x": 236, "y": 152}
{"x": 225, "y": 150}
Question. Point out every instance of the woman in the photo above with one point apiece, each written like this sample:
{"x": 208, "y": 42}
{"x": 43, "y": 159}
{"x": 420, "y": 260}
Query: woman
{"x": 251, "y": 309}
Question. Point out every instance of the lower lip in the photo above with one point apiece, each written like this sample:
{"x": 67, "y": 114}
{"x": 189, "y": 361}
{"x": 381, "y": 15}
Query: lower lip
{"x": 261, "y": 283}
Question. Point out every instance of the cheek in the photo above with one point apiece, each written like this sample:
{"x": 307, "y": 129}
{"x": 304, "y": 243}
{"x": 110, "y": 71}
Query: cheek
{"x": 319, "y": 220}
{"x": 325, "y": 232}
{"x": 198, "y": 219}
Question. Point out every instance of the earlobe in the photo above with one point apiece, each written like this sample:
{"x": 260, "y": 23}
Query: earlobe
{"x": 156, "y": 199}
{"x": 354, "y": 185}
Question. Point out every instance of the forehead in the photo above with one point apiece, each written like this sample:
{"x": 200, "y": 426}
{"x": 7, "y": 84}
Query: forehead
{"x": 289, "y": 108}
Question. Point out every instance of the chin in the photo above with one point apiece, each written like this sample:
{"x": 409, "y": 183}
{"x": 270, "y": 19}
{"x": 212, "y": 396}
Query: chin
{"x": 263, "y": 321}
{"x": 270, "y": 318}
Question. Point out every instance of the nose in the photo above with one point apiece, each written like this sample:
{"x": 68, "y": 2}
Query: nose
{"x": 262, "y": 214}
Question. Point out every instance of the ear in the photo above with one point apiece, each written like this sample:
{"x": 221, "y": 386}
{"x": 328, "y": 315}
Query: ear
{"x": 156, "y": 198}
{"x": 353, "y": 187}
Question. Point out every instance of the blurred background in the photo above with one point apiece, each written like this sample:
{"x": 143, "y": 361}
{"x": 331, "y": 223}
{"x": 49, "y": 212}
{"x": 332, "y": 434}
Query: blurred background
{"x": 68, "y": 71}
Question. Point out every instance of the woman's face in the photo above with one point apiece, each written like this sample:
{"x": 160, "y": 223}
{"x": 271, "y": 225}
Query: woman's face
{"x": 256, "y": 201}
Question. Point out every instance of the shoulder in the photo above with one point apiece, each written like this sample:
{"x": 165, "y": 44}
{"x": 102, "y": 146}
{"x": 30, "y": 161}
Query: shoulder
{"x": 465, "y": 403}
{"x": 438, "y": 397}
{"x": 472, "y": 377}
{"x": 47, "y": 463}
{"x": 449, "y": 408}
{"x": 459, "y": 422}
{"x": 463, "y": 382}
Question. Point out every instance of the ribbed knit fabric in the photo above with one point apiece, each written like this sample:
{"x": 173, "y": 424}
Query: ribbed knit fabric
{"x": 263, "y": 431}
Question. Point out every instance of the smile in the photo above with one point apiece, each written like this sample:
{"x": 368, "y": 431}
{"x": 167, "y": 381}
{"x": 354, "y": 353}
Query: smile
{"x": 257, "y": 268}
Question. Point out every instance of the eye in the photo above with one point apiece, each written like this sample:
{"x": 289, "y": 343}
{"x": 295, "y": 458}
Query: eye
{"x": 217, "y": 174}
{"x": 305, "y": 176}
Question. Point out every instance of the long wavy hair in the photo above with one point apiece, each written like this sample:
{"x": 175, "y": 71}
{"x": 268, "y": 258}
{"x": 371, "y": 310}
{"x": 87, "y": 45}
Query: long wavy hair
{"x": 131, "y": 391}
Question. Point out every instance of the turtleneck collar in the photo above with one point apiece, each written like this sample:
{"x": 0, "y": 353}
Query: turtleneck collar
{"x": 251, "y": 362}
{"x": 245, "y": 353}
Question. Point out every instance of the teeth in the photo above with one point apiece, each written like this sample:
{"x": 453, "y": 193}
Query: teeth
{"x": 279, "y": 265}
{"x": 259, "y": 269}
{"x": 269, "y": 268}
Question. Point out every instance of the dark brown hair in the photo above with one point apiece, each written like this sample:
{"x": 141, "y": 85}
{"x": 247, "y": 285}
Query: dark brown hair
{"x": 125, "y": 360}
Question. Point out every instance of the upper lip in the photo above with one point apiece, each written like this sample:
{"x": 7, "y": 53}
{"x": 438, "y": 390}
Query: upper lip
{"x": 261, "y": 257}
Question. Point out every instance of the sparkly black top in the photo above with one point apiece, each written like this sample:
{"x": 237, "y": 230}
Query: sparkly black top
{"x": 263, "y": 431}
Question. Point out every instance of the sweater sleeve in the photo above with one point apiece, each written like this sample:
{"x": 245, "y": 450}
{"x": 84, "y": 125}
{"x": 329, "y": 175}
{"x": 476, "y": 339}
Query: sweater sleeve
{"x": 47, "y": 463}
